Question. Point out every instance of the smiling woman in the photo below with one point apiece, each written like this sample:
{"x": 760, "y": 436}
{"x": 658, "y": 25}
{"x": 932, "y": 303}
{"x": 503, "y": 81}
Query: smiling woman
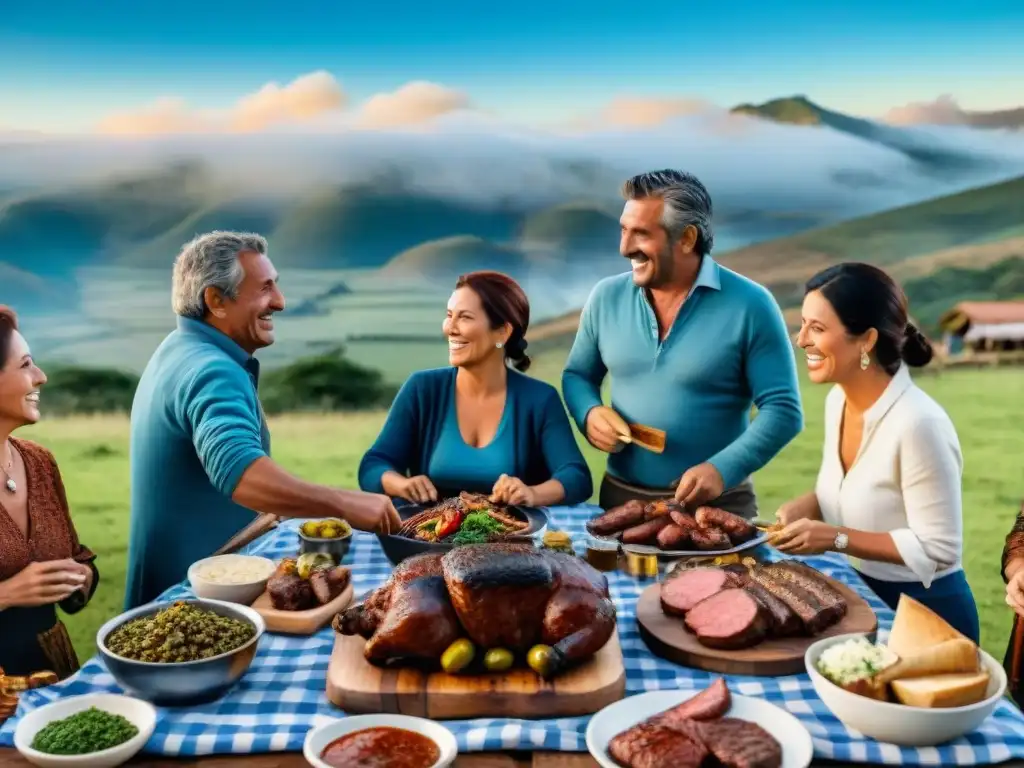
{"x": 42, "y": 563}
{"x": 889, "y": 492}
{"x": 481, "y": 425}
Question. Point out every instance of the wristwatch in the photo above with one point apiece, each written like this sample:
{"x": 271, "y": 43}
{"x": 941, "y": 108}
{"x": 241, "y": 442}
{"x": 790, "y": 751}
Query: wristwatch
{"x": 841, "y": 541}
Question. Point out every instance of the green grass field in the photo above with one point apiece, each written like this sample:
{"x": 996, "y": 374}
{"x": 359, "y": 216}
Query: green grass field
{"x": 984, "y": 404}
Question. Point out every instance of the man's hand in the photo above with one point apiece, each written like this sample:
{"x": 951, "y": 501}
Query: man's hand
{"x": 805, "y": 537}
{"x": 512, "y": 490}
{"x": 373, "y": 512}
{"x": 699, "y": 485}
{"x": 606, "y": 429}
{"x": 418, "y": 489}
{"x": 43, "y": 583}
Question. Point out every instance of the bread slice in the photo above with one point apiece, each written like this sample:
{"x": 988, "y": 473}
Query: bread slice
{"x": 916, "y": 627}
{"x": 959, "y": 656}
{"x": 941, "y": 691}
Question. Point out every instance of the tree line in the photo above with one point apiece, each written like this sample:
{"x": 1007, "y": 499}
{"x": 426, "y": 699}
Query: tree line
{"x": 328, "y": 381}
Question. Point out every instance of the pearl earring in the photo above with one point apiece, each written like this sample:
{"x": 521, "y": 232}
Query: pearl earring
{"x": 499, "y": 345}
{"x": 865, "y": 361}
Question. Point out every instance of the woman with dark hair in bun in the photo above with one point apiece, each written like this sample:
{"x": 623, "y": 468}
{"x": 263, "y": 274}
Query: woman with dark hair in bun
{"x": 888, "y": 493}
{"x": 479, "y": 425}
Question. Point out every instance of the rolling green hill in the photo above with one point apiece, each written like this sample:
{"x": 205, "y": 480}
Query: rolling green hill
{"x": 799, "y": 110}
{"x": 972, "y": 230}
{"x": 572, "y": 226}
{"x": 447, "y": 258}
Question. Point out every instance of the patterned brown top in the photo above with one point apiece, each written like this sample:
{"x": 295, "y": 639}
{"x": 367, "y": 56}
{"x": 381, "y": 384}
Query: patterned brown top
{"x": 51, "y": 534}
{"x": 1014, "y": 546}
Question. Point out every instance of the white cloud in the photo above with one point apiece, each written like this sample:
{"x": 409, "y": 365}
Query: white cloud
{"x": 305, "y": 98}
{"x": 412, "y": 104}
{"x": 943, "y": 111}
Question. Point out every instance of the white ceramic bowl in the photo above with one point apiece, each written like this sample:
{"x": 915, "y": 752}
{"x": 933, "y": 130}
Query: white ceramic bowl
{"x": 242, "y": 593}
{"x": 138, "y": 712}
{"x": 898, "y": 723}
{"x": 318, "y": 738}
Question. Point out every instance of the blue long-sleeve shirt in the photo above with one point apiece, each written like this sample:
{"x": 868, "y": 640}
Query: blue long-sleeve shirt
{"x": 196, "y": 426}
{"x": 728, "y": 349}
{"x": 535, "y": 439}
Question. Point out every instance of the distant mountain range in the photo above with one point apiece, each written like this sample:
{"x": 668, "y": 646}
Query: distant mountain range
{"x": 141, "y": 219}
{"x": 930, "y": 154}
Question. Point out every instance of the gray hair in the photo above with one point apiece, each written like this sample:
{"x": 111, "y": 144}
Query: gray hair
{"x": 210, "y": 261}
{"x": 687, "y": 203}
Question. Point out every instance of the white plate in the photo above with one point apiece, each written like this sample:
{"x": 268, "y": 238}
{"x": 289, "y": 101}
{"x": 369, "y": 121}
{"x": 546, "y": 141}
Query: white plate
{"x": 645, "y": 549}
{"x": 795, "y": 739}
{"x": 140, "y": 713}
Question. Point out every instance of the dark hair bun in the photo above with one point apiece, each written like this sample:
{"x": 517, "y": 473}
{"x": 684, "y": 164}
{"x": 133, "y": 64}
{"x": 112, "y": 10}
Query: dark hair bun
{"x": 516, "y": 353}
{"x": 917, "y": 351}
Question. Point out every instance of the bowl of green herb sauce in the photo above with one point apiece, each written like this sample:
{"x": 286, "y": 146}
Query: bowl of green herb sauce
{"x": 97, "y": 730}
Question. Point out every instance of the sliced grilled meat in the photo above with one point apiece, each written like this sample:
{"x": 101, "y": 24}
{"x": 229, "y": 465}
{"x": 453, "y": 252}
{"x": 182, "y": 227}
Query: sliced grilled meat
{"x": 649, "y": 745}
{"x": 738, "y": 529}
{"x": 686, "y": 587}
{"x": 800, "y": 601}
{"x": 814, "y": 582}
{"x": 739, "y": 743}
{"x": 730, "y": 620}
{"x": 781, "y": 618}
{"x": 713, "y": 702}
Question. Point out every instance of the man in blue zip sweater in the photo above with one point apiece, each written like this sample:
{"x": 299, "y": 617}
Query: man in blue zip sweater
{"x": 200, "y": 447}
{"x": 690, "y": 347}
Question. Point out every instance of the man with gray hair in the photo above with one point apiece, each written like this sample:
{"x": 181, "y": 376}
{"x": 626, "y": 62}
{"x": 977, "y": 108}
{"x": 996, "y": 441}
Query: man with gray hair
{"x": 690, "y": 347}
{"x": 200, "y": 447}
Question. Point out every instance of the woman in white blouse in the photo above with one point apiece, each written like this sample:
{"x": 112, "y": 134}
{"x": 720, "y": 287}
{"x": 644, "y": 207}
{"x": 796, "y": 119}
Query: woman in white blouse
{"x": 888, "y": 493}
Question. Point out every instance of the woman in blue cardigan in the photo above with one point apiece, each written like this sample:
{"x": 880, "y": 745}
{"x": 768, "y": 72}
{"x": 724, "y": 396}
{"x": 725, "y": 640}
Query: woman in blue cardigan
{"x": 480, "y": 425}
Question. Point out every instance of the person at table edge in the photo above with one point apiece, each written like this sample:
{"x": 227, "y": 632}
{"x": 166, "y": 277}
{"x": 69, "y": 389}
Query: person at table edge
{"x": 481, "y": 424}
{"x": 42, "y": 563}
{"x": 1013, "y": 575}
{"x": 690, "y": 346}
{"x": 200, "y": 446}
{"x": 889, "y": 491}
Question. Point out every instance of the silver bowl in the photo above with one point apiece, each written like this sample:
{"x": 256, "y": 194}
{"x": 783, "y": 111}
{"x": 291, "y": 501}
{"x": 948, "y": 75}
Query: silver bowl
{"x": 188, "y": 682}
{"x": 336, "y": 547}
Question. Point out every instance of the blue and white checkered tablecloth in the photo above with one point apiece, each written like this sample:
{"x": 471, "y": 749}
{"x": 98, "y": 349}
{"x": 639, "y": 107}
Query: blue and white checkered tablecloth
{"x": 283, "y": 694}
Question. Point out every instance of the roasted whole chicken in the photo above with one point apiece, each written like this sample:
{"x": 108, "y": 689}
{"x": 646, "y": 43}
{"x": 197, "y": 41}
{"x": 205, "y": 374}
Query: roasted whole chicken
{"x": 508, "y": 595}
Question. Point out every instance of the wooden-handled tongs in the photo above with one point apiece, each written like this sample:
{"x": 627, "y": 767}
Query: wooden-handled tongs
{"x": 261, "y": 525}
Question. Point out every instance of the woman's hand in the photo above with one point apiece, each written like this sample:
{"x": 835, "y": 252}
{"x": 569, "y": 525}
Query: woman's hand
{"x": 801, "y": 508}
{"x": 805, "y": 537}
{"x": 1015, "y": 592}
{"x": 512, "y": 490}
{"x": 44, "y": 583}
{"x": 418, "y": 489}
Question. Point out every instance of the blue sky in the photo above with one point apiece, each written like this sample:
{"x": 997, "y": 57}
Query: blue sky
{"x": 65, "y": 64}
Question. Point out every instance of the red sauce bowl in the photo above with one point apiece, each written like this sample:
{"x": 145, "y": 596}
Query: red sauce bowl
{"x": 321, "y": 737}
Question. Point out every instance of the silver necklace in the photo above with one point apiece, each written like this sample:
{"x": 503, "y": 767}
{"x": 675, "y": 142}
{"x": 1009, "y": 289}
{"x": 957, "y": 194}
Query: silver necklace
{"x": 12, "y": 487}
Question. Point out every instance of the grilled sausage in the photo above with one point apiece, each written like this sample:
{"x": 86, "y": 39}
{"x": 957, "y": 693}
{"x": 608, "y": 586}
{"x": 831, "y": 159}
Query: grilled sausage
{"x": 617, "y": 519}
{"x": 672, "y": 537}
{"x": 661, "y": 507}
{"x": 710, "y": 538}
{"x": 738, "y": 529}
{"x": 645, "y": 532}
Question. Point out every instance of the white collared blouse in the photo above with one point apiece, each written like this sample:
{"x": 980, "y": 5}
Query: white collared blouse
{"x": 906, "y": 480}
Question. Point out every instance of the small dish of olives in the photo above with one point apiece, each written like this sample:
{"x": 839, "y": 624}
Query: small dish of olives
{"x": 329, "y": 535}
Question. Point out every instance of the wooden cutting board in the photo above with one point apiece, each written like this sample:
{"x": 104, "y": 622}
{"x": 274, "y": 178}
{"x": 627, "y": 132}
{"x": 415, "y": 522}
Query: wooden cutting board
{"x": 356, "y": 686}
{"x": 668, "y": 637}
{"x": 301, "y": 622}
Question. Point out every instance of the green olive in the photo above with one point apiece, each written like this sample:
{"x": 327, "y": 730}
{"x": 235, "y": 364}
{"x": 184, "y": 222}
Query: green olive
{"x": 312, "y": 561}
{"x": 498, "y": 659}
{"x": 457, "y": 656}
{"x": 542, "y": 660}
{"x": 310, "y": 529}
